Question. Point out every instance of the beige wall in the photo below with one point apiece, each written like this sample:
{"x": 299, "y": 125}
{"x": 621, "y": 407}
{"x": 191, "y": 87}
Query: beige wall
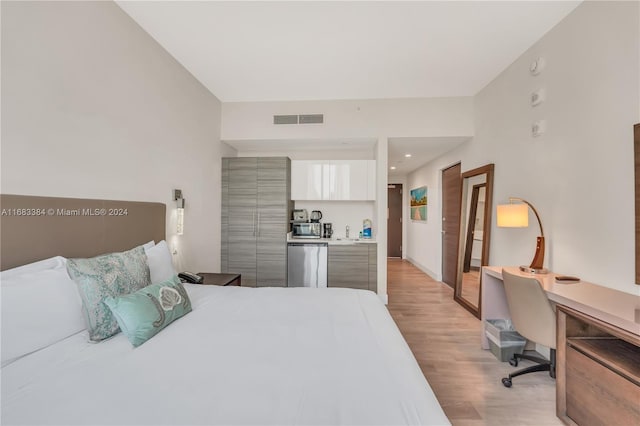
{"x": 376, "y": 119}
{"x": 579, "y": 174}
{"x": 366, "y": 118}
{"x": 93, "y": 107}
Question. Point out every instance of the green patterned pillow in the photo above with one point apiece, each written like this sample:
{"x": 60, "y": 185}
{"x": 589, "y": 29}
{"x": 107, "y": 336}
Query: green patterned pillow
{"x": 104, "y": 276}
{"x": 141, "y": 315}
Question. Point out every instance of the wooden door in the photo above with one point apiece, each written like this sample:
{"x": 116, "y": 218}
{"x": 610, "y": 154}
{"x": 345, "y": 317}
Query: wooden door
{"x": 394, "y": 221}
{"x": 272, "y": 220}
{"x": 242, "y": 178}
{"x": 451, "y": 193}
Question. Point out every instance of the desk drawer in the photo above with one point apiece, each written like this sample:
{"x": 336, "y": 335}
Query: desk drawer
{"x": 598, "y": 396}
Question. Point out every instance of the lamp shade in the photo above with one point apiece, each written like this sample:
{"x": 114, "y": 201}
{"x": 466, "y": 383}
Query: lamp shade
{"x": 179, "y": 221}
{"x": 513, "y": 215}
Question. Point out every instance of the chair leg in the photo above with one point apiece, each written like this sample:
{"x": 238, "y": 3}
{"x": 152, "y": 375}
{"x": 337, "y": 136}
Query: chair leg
{"x": 533, "y": 368}
{"x": 543, "y": 365}
{"x": 530, "y": 358}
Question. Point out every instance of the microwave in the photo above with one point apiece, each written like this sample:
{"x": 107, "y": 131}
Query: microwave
{"x": 306, "y": 230}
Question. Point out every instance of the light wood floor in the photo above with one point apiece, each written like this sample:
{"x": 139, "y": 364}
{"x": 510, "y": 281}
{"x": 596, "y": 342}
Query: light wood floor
{"x": 445, "y": 340}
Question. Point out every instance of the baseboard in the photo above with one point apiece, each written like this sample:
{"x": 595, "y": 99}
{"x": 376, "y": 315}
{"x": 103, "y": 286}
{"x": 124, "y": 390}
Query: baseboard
{"x": 424, "y": 269}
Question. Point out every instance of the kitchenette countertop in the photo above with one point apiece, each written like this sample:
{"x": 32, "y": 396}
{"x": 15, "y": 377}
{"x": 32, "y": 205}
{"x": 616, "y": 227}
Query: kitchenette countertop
{"x": 330, "y": 241}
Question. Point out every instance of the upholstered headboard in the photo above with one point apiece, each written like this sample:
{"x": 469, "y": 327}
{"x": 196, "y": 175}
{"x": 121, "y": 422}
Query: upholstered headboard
{"x": 35, "y": 228}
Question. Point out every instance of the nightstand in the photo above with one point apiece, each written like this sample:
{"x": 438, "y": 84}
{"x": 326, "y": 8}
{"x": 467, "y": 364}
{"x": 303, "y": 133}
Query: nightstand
{"x": 221, "y": 279}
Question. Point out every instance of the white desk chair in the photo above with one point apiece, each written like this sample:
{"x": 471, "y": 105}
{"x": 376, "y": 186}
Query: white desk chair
{"x": 534, "y": 318}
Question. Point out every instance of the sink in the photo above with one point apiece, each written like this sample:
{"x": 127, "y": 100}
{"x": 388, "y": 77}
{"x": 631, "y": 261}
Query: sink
{"x": 346, "y": 241}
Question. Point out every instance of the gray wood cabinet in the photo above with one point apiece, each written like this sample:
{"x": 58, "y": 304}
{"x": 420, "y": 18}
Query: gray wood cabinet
{"x": 373, "y": 267}
{"x": 353, "y": 266}
{"x": 256, "y": 206}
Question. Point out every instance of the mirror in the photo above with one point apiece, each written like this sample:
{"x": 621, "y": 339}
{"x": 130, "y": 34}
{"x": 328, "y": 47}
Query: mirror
{"x": 475, "y": 230}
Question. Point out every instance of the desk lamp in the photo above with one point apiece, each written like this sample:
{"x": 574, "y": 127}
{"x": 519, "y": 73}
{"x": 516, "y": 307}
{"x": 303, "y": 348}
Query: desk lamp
{"x": 517, "y": 216}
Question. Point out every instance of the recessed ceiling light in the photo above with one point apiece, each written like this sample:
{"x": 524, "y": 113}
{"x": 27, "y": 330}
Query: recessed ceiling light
{"x": 392, "y": 167}
{"x": 407, "y": 155}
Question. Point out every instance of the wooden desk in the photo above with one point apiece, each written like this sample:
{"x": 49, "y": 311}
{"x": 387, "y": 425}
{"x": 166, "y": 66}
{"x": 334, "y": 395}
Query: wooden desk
{"x": 597, "y": 347}
{"x": 221, "y": 279}
{"x": 614, "y": 307}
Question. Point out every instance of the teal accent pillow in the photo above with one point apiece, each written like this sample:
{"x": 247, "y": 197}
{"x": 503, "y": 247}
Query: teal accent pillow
{"x": 141, "y": 315}
{"x": 108, "y": 275}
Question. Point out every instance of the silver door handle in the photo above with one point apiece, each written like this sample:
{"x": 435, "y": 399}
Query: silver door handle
{"x": 443, "y": 232}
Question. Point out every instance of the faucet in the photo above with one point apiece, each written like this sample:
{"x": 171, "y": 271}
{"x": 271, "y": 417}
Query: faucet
{"x": 347, "y": 232}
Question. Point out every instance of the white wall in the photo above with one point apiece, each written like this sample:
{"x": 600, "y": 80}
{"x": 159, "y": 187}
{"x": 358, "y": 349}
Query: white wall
{"x": 228, "y": 151}
{"x": 348, "y": 119}
{"x": 380, "y": 217}
{"x": 424, "y": 239}
{"x": 93, "y": 107}
{"x": 579, "y": 175}
{"x": 343, "y": 213}
{"x": 351, "y": 118}
{"x": 296, "y": 154}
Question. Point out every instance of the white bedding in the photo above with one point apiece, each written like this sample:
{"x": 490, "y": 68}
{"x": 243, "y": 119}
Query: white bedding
{"x": 243, "y": 356}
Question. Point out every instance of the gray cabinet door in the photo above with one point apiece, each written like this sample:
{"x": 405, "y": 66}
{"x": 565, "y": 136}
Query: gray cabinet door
{"x": 349, "y": 266}
{"x": 255, "y": 215}
{"x": 242, "y": 218}
{"x": 373, "y": 267}
{"x": 224, "y": 228}
{"x": 273, "y": 219}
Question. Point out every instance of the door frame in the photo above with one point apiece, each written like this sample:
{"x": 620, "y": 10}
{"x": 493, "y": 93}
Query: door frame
{"x": 473, "y": 212}
{"x": 402, "y": 218}
{"x": 441, "y": 185}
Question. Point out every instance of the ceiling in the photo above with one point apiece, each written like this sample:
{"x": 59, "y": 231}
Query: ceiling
{"x": 305, "y": 50}
{"x": 313, "y": 50}
{"x": 422, "y": 150}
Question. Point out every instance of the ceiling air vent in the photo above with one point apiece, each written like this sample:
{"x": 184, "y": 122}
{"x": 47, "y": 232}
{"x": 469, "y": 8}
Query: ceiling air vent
{"x": 299, "y": 119}
{"x": 285, "y": 119}
{"x": 311, "y": 118}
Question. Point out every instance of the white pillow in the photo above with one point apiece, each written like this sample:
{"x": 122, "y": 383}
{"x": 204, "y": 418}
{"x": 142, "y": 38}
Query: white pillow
{"x": 38, "y": 309}
{"x": 41, "y": 265}
{"x": 160, "y": 262}
{"x": 149, "y": 244}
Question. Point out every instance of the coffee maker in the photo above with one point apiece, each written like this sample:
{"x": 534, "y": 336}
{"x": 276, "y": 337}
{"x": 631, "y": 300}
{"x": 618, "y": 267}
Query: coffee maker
{"x": 327, "y": 230}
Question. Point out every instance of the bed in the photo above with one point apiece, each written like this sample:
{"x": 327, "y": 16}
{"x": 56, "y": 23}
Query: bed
{"x": 266, "y": 356}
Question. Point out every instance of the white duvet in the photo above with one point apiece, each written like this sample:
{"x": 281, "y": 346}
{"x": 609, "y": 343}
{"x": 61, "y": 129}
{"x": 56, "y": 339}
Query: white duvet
{"x": 269, "y": 356}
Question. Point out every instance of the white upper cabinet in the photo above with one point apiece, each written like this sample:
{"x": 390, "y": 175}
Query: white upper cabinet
{"x": 371, "y": 179}
{"x": 333, "y": 180}
{"x": 306, "y": 180}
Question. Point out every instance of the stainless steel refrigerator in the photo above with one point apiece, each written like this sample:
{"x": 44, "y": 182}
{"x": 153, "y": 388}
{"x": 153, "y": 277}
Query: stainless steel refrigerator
{"x": 307, "y": 265}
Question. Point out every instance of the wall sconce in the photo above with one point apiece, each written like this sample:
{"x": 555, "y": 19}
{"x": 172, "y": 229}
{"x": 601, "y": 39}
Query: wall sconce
{"x": 517, "y": 216}
{"x": 177, "y": 197}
